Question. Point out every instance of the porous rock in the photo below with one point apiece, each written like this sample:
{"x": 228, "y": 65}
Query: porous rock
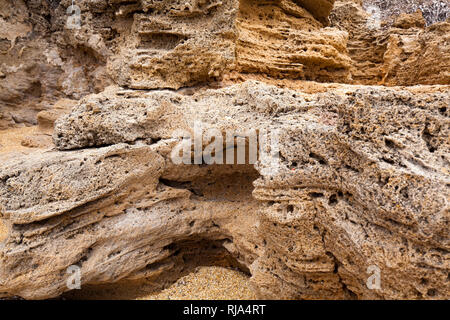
{"x": 357, "y": 182}
{"x": 356, "y": 185}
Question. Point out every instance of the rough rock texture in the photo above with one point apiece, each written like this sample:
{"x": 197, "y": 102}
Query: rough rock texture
{"x": 145, "y": 44}
{"x": 360, "y": 178}
{"x": 94, "y": 230}
{"x": 422, "y": 57}
{"x": 357, "y": 185}
{"x": 433, "y": 11}
{"x": 174, "y": 43}
{"x": 41, "y": 61}
{"x": 279, "y": 38}
{"x": 405, "y": 53}
{"x": 284, "y": 40}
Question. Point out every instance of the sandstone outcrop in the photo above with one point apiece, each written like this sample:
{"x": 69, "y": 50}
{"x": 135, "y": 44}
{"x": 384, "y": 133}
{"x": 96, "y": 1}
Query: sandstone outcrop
{"x": 277, "y": 38}
{"x": 174, "y": 44}
{"x": 170, "y": 44}
{"x": 357, "y": 185}
{"x": 352, "y": 176}
{"x": 404, "y": 53}
{"x": 283, "y": 40}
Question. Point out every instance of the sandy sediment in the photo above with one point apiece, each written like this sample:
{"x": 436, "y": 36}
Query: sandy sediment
{"x": 204, "y": 283}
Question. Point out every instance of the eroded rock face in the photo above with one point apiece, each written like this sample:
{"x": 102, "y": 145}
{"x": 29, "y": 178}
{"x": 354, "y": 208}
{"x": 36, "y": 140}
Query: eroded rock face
{"x": 41, "y": 61}
{"x": 283, "y": 40}
{"x": 153, "y": 44}
{"x": 133, "y": 220}
{"x": 356, "y": 186}
{"x": 421, "y": 57}
{"x": 359, "y": 174}
{"x": 404, "y": 52}
{"x": 173, "y": 44}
